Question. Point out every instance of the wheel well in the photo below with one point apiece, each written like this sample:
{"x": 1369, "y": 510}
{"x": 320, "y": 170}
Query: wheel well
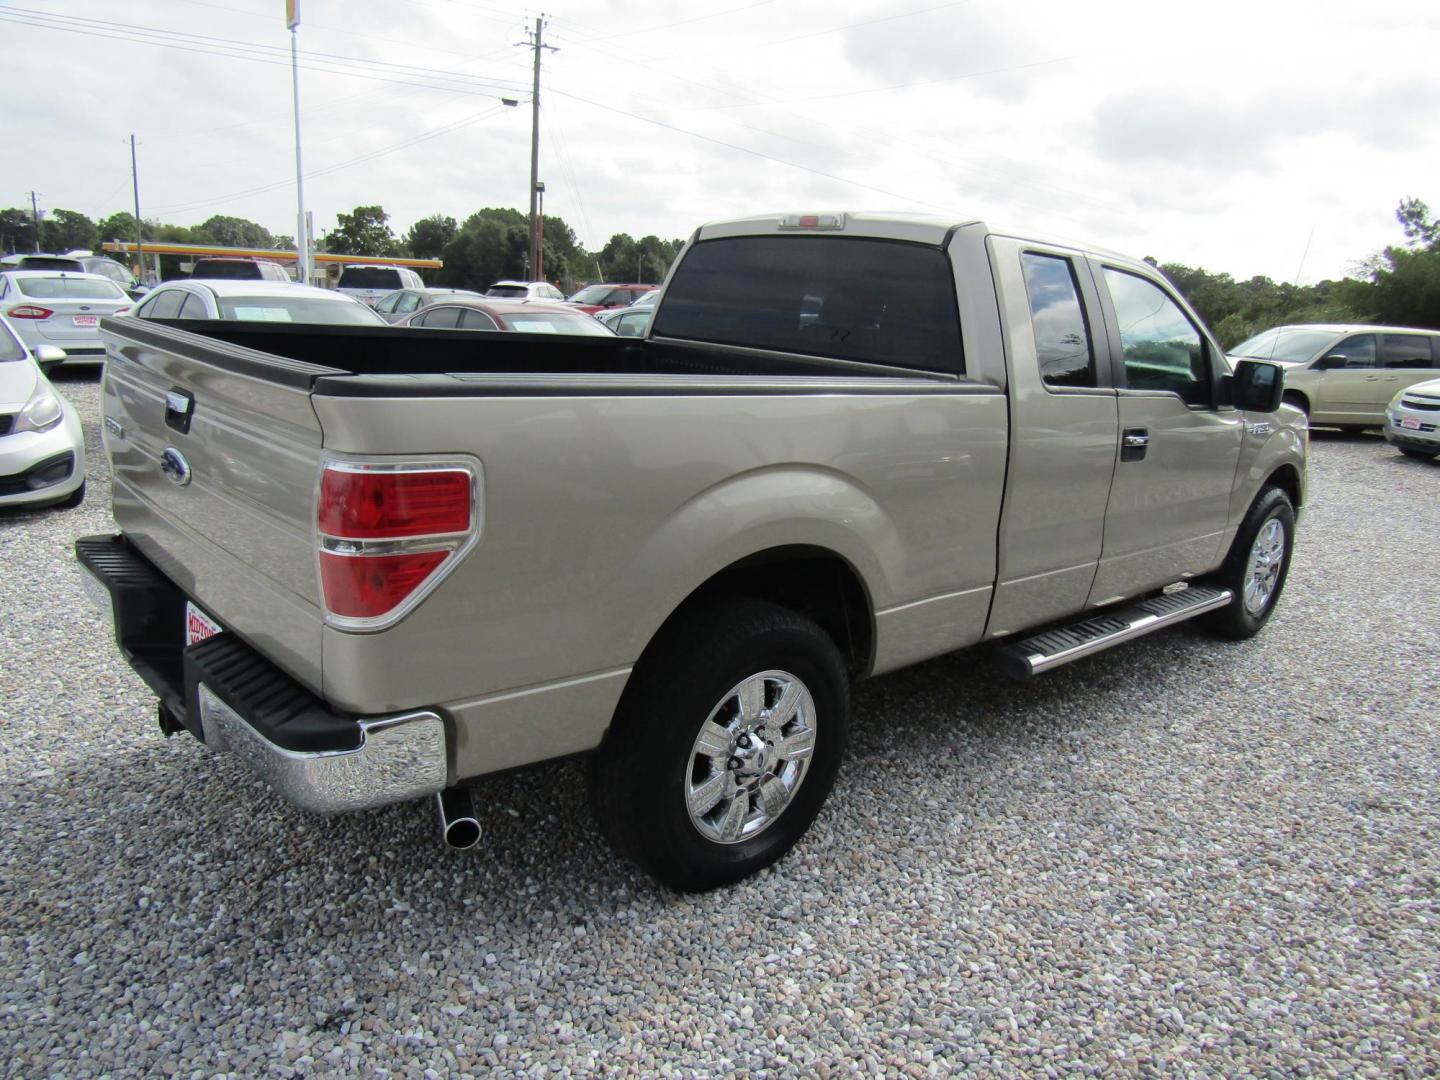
{"x": 1296, "y": 398}
{"x": 813, "y": 581}
{"x": 1287, "y": 480}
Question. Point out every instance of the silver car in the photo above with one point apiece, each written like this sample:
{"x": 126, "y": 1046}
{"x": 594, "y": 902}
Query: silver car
{"x": 48, "y": 307}
{"x": 1412, "y": 420}
{"x": 402, "y": 302}
{"x": 42, "y": 446}
{"x": 255, "y": 301}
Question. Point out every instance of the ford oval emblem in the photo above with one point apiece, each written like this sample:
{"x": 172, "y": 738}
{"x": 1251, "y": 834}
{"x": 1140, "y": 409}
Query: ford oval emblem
{"x": 174, "y": 466}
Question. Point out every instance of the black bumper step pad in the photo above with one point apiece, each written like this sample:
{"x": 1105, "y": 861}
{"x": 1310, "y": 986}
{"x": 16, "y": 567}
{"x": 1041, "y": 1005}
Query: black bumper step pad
{"x": 149, "y": 614}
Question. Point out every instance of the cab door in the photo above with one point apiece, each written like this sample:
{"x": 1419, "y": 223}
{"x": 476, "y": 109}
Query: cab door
{"x": 1063, "y": 434}
{"x": 1179, "y": 448}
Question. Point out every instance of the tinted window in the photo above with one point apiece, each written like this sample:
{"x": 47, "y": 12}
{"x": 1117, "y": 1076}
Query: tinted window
{"x": 164, "y": 306}
{"x": 1405, "y": 351}
{"x": 445, "y": 318}
{"x": 370, "y": 277}
{"x": 1062, "y": 340}
{"x": 507, "y": 292}
{"x": 878, "y": 301}
{"x": 193, "y": 308}
{"x": 1163, "y": 350}
{"x": 51, "y": 262}
{"x": 1358, "y": 351}
{"x": 61, "y": 288}
{"x": 226, "y": 270}
{"x": 476, "y": 320}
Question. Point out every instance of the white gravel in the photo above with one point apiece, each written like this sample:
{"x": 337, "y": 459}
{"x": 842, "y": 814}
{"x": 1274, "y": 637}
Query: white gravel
{"x": 1180, "y": 857}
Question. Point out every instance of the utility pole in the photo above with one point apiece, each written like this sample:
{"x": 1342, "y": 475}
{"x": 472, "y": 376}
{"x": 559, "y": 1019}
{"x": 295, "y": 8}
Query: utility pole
{"x": 35, "y": 212}
{"x": 536, "y": 42}
{"x": 139, "y": 238}
{"x": 302, "y": 239}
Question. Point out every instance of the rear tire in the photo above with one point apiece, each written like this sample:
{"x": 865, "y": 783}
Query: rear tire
{"x": 725, "y": 744}
{"x": 1256, "y": 568}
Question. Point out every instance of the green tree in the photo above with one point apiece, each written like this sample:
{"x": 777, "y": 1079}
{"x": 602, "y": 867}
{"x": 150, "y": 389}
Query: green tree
{"x": 120, "y": 226}
{"x": 363, "y": 231}
{"x": 428, "y": 236}
{"x": 235, "y": 232}
{"x": 17, "y": 230}
{"x": 67, "y": 230}
{"x": 1414, "y": 217}
{"x": 491, "y": 245}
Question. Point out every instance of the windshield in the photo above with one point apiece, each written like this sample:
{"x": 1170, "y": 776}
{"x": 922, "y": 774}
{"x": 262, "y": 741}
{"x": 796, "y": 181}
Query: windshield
{"x": 109, "y": 268}
{"x": 57, "y": 288}
{"x": 296, "y": 309}
{"x": 592, "y": 294}
{"x": 370, "y": 277}
{"x": 556, "y": 322}
{"x": 10, "y": 347}
{"x": 1284, "y": 344}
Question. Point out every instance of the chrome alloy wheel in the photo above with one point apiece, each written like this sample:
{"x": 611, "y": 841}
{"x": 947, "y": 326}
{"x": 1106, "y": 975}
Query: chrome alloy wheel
{"x": 1262, "y": 572}
{"x": 750, "y": 757}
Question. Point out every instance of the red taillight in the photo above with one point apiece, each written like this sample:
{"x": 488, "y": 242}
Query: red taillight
{"x": 366, "y": 586}
{"x": 385, "y": 505}
{"x": 386, "y": 534}
{"x": 30, "y": 311}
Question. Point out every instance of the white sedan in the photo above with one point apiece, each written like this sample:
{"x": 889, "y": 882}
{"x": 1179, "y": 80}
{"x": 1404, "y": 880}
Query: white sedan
{"x": 42, "y": 447}
{"x": 255, "y": 301}
{"x": 52, "y": 307}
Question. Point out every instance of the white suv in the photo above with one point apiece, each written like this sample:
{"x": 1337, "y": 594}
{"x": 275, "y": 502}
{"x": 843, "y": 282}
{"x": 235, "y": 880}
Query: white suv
{"x": 368, "y": 282}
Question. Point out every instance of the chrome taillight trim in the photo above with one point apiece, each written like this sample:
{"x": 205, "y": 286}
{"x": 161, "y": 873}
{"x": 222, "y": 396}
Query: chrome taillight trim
{"x": 457, "y": 545}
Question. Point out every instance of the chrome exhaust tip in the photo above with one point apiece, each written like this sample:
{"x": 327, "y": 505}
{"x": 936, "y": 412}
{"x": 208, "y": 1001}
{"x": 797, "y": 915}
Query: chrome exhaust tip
{"x": 459, "y": 826}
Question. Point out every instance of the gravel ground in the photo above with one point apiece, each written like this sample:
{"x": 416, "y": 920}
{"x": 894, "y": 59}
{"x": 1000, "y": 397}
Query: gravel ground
{"x": 1179, "y": 857}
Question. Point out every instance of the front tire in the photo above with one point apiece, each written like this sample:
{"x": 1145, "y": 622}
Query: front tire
{"x": 725, "y": 744}
{"x": 1257, "y": 566}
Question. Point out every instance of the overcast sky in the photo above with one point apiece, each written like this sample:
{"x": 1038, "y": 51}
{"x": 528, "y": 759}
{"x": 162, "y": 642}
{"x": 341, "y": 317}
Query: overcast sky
{"x": 1232, "y": 135}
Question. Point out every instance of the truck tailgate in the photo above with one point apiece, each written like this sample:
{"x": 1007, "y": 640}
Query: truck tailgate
{"x": 216, "y": 452}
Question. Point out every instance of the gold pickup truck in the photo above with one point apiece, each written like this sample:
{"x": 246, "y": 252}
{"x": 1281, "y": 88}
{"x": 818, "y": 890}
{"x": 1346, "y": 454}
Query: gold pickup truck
{"x": 380, "y": 563}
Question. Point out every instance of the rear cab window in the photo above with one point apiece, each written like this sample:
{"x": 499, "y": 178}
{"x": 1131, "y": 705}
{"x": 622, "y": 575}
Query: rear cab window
{"x": 869, "y": 300}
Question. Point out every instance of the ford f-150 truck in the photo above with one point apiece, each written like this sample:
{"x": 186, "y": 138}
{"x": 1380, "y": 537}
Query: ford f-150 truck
{"x": 381, "y": 563}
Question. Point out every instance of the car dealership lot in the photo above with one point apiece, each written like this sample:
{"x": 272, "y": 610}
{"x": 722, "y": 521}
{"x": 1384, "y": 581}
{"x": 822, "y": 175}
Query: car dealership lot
{"x": 1177, "y": 854}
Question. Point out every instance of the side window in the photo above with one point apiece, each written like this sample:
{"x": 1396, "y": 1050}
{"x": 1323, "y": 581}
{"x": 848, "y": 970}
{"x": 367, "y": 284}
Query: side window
{"x": 1163, "y": 350}
{"x": 386, "y": 305}
{"x": 1062, "y": 340}
{"x": 165, "y": 306}
{"x": 1358, "y": 351}
{"x": 476, "y": 320}
{"x": 408, "y": 302}
{"x": 191, "y": 308}
{"x": 1405, "y": 351}
{"x": 445, "y": 318}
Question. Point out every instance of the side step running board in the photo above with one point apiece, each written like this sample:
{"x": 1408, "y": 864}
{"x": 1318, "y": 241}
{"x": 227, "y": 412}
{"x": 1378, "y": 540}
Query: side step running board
{"x": 1028, "y": 658}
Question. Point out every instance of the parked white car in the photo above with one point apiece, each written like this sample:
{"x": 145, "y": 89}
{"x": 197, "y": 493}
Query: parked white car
{"x": 524, "y": 290}
{"x": 1412, "y": 420}
{"x": 50, "y": 307}
{"x": 42, "y": 446}
{"x": 255, "y": 301}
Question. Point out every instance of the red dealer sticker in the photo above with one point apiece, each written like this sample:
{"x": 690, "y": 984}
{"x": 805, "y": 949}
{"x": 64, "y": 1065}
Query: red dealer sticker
{"x": 199, "y": 626}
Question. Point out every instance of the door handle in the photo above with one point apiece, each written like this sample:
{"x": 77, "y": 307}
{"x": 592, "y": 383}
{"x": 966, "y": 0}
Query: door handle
{"x": 1133, "y": 444}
